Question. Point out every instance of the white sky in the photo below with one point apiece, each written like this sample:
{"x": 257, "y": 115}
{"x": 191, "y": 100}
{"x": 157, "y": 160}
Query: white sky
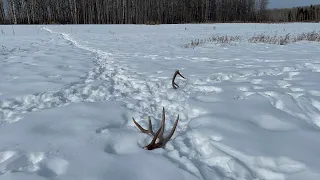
{"x": 291, "y": 3}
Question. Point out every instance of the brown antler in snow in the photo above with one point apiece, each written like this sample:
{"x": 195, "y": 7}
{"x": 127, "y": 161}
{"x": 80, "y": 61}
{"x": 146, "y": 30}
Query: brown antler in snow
{"x": 159, "y": 134}
{"x": 175, "y": 85}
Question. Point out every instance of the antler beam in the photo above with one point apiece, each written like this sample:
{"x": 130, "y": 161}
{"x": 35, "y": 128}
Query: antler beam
{"x": 159, "y": 134}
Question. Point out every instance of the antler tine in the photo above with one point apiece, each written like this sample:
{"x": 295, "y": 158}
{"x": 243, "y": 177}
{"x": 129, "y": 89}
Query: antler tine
{"x": 149, "y": 131}
{"x": 174, "y": 77}
{"x": 172, "y": 130}
{"x": 162, "y": 124}
{"x": 150, "y": 126}
{"x": 180, "y": 74}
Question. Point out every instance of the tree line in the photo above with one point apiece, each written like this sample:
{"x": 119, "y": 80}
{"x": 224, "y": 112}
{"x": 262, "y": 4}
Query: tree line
{"x": 145, "y": 11}
{"x": 130, "y": 11}
{"x": 297, "y": 14}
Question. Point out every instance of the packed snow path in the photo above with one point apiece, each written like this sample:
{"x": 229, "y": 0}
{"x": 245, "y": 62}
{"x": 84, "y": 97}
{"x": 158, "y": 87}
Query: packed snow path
{"x": 247, "y": 111}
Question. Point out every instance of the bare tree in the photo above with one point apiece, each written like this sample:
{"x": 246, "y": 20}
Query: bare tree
{"x": 13, "y": 11}
{"x": 2, "y": 14}
{"x": 263, "y": 5}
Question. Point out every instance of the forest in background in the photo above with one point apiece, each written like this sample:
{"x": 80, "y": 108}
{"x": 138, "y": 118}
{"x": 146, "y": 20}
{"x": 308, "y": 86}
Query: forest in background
{"x": 149, "y": 12}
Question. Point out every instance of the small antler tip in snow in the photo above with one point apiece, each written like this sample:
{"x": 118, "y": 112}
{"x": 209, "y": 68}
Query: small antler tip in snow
{"x": 175, "y": 85}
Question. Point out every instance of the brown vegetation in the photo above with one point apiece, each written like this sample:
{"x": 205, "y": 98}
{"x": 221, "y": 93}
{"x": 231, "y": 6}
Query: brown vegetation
{"x": 222, "y": 40}
{"x": 313, "y": 36}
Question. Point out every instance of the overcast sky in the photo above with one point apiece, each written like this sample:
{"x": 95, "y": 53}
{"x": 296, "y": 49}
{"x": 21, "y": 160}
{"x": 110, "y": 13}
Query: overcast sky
{"x": 291, "y": 3}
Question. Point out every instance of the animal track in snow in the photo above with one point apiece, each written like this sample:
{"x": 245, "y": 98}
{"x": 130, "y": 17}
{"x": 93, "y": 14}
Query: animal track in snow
{"x": 256, "y": 81}
{"x": 314, "y": 92}
{"x": 283, "y": 84}
{"x": 32, "y": 162}
{"x": 296, "y": 105}
{"x": 221, "y": 161}
{"x": 271, "y": 123}
{"x": 107, "y": 81}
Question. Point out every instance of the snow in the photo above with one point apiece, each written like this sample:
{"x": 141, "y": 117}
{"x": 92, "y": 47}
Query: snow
{"x": 68, "y": 94}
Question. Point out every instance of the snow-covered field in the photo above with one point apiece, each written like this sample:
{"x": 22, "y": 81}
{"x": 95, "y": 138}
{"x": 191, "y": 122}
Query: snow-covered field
{"x": 68, "y": 94}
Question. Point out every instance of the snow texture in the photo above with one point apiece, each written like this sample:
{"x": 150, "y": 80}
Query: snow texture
{"x": 68, "y": 94}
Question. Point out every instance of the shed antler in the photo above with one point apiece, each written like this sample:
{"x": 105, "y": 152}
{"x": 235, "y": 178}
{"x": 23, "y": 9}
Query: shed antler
{"x": 175, "y": 85}
{"x": 159, "y": 134}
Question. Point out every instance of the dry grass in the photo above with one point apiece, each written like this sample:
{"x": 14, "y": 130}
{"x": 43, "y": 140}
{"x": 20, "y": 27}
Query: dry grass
{"x": 222, "y": 40}
{"x": 313, "y": 36}
{"x": 262, "y": 38}
{"x": 153, "y": 23}
{"x": 310, "y": 36}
